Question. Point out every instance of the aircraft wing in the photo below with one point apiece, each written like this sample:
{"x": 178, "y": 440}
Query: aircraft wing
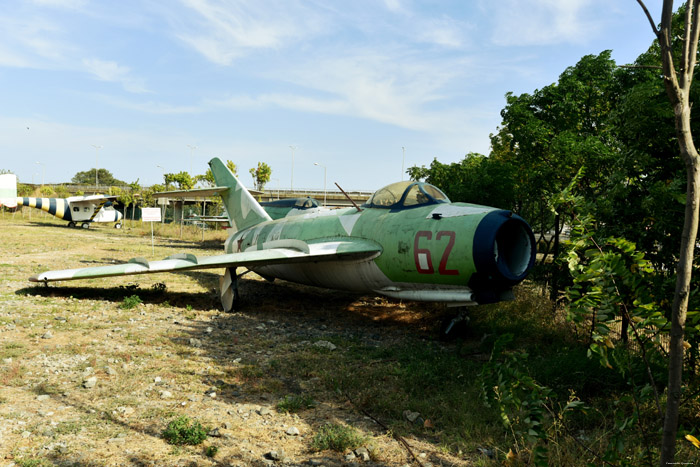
{"x": 274, "y": 252}
{"x": 91, "y": 199}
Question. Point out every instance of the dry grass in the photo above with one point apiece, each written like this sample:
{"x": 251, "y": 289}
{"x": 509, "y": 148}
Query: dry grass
{"x": 176, "y": 354}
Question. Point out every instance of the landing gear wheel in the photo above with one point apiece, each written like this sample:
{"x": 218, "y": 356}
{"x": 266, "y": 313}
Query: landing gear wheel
{"x": 118, "y": 225}
{"x": 228, "y": 287}
{"x": 71, "y": 224}
{"x": 85, "y": 225}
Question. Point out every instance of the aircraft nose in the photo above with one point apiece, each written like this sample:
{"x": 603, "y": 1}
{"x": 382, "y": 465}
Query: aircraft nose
{"x": 504, "y": 248}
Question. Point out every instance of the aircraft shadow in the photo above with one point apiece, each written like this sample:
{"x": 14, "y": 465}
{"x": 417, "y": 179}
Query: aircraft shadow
{"x": 271, "y": 315}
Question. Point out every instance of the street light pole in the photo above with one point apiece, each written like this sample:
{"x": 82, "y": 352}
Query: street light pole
{"x": 403, "y": 162}
{"x": 192, "y": 148}
{"x": 324, "y": 181}
{"x": 162, "y": 206}
{"x": 97, "y": 162}
{"x": 291, "y": 188}
{"x": 43, "y": 171}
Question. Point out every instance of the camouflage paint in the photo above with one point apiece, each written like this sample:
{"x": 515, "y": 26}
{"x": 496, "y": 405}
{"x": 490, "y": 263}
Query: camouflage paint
{"x": 451, "y": 252}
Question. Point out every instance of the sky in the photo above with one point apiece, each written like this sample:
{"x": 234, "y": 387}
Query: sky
{"x": 364, "y": 88}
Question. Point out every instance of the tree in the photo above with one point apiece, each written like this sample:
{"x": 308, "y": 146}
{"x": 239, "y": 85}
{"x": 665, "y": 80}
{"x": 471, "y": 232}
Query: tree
{"x": 183, "y": 180}
{"x": 261, "y": 175}
{"x": 678, "y": 85}
{"x": 105, "y": 177}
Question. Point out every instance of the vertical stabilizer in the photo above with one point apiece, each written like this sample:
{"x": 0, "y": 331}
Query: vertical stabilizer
{"x": 8, "y": 190}
{"x": 243, "y": 211}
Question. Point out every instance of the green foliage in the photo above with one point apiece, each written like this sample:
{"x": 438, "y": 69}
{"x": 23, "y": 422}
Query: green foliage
{"x": 23, "y": 190}
{"x": 182, "y": 180}
{"x": 295, "y": 403}
{"x": 211, "y": 451}
{"x": 182, "y": 431}
{"x": 62, "y": 192}
{"x": 612, "y": 294}
{"x": 471, "y": 180}
{"x": 525, "y": 407}
{"x": 147, "y": 194}
{"x": 105, "y": 178}
{"x": 33, "y": 462}
{"x": 130, "y": 302}
{"x": 261, "y": 175}
{"x": 46, "y": 191}
{"x": 337, "y": 437}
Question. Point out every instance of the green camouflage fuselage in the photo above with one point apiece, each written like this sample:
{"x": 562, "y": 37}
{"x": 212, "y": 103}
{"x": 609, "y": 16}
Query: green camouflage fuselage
{"x": 423, "y": 250}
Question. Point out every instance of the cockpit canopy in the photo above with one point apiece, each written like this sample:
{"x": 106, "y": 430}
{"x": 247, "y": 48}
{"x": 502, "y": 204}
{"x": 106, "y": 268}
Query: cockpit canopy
{"x": 403, "y": 195}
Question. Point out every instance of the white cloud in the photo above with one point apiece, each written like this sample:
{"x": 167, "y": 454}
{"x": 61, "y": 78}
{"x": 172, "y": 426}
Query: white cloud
{"x": 393, "y": 5}
{"x": 67, "y": 4}
{"x": 113, "y": 72}
{"x": 444, "y": 31}
{"x": 542, "y": 22}
{"x": 224, "y": 31}
{"x": 31, "y": 43}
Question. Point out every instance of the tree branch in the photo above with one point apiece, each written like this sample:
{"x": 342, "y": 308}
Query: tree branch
{"x": 651, "y": 20}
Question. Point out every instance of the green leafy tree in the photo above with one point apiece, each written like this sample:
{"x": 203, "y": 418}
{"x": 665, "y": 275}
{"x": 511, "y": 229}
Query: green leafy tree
{"x": 182, "y": 180}
{"x": 62, "y": 192}
{"x": 105, "y": 177}
{"x": 23, "y": 190}
{"x": 261, "y": 175}
{"x": 678, "y": 57}
{"x": 147, "y": 194}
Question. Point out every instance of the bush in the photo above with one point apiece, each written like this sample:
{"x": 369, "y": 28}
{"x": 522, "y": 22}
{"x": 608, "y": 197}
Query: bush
{"x": 294, "y": 403}
{"x": 130, "y": 302}
{"x": 339, "y": 438}
{"x": 182, "y": 430}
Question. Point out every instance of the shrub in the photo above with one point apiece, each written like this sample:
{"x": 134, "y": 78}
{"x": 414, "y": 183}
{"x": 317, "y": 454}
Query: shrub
{"x": 131, "y": 302}
{"x": 182, "y": 430}
{"x": 339, "y": 438}
{"x": 294, "y": 403}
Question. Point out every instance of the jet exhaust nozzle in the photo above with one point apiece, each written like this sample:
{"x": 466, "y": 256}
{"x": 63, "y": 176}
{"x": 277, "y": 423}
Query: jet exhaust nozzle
{"x": 504, "y": 249}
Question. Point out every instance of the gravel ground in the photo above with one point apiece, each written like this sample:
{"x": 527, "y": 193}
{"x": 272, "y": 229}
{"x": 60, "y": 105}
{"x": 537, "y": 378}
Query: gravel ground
{"x": 85, "y": 381}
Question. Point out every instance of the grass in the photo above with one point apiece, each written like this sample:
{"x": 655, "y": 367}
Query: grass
{"x": 295, "y": 403}
{"x": 340, "y": 438}
{"x": 12, "y": 350}
{"x": 383, "y": 366}
{"x": 130, "y": 302}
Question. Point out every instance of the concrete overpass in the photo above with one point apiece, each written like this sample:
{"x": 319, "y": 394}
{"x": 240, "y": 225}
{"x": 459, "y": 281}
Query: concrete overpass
{"x": 333, "y": 198}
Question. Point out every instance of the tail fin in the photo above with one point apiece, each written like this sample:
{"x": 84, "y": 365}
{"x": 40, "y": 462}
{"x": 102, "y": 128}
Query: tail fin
{"x": 243, "y": 211}
{"x": 8, "y": 190}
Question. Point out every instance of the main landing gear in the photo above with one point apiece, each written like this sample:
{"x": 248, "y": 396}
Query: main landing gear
{"x": 456, "y": 327}
{"x": 228, "y": 288}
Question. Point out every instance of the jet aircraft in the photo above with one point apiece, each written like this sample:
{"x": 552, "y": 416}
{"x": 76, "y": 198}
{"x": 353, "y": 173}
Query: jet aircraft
{"x": 408, "y": 241}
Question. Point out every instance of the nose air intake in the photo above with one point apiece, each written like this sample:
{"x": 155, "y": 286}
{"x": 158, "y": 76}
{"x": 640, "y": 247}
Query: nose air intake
{"x": 504, "y": 250}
